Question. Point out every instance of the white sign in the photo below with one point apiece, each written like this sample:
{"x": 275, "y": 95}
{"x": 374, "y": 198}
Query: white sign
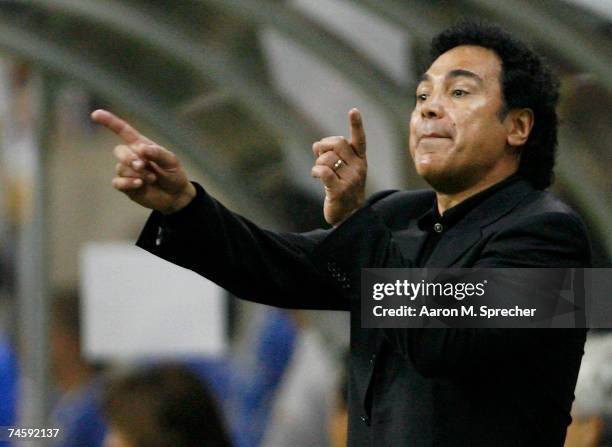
{"x": 136, "y": 305}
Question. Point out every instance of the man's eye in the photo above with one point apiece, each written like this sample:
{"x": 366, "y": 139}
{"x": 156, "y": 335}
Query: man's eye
{"x": 457, "y": 93}
{"x": 421, "y": 96}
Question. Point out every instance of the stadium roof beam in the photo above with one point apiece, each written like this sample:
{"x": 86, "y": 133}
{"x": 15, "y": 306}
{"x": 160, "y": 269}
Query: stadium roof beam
{"x": 266, "y": 106}
{"x": 410, "y": 15}
{"x": 370, "y": 80}
{"x": 554, "y": 35}
{"x": 51, "y": 56}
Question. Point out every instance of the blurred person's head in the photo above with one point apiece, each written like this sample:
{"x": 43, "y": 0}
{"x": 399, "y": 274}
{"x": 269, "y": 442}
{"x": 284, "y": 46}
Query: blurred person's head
{"x": 485, "y": 107}
{"x": 165, "y": 406}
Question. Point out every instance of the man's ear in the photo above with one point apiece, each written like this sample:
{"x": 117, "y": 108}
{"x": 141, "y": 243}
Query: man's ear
{"x": 519, "y": 123}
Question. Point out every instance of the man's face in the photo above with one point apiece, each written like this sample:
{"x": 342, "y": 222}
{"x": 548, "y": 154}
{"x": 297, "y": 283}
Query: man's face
{"x": 456, "y": 137}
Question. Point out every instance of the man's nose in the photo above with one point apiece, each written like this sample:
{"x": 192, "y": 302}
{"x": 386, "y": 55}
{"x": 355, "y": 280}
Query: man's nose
{"x": 432, "y": 108}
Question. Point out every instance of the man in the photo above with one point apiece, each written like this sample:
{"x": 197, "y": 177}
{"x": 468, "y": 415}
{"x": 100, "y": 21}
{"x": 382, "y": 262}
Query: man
{"x": 483, "y": 135}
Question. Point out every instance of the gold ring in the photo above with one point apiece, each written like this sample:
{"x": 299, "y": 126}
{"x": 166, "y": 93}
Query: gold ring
{"x": 337, "y": 165}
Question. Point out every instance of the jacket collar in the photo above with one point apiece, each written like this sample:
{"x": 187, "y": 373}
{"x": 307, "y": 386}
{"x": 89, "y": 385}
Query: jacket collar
{"x": 468, "y": 230}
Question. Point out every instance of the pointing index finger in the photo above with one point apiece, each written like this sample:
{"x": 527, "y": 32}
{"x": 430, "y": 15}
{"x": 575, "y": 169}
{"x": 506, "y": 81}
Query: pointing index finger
{"x": 118, "y": 126}
{"x": 358, "y": 137}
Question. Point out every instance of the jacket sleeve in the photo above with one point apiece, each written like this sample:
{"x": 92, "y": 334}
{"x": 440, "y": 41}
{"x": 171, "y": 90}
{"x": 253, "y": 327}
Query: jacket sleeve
{"x": 456, "y": 351}
{"x": 250, "y": 262}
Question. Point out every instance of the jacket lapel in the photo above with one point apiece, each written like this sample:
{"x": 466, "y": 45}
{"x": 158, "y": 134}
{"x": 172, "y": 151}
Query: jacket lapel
{"x": 468, "y": 230}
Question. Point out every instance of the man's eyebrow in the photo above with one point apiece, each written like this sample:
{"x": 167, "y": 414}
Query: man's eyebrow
{"x": 457, "y": 73}
{"x": 424, "y": 77}
{"x": 464, "y": 73}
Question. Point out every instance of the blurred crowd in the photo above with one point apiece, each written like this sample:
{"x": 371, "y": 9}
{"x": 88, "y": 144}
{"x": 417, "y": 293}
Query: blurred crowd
{"x": 279, "y": 387}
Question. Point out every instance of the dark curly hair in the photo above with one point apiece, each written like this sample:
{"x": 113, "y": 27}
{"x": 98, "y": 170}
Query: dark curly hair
{"x": 526, "y": 81}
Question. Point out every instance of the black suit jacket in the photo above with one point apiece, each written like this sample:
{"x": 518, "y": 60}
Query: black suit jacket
{"x": 409, "y": 387}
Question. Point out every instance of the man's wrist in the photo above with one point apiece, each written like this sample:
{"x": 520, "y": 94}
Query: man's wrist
{"x": 182, "y": 200}
{"x": 358, "y": 206}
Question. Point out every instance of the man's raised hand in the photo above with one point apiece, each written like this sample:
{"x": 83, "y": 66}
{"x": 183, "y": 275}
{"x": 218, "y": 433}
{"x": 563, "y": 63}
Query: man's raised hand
{"x": 342, "y": 167}
{"x": 147, "y": 173}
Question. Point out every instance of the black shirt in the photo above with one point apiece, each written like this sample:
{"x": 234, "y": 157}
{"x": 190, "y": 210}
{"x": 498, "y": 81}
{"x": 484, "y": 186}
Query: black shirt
{"x": 436, "y": 225}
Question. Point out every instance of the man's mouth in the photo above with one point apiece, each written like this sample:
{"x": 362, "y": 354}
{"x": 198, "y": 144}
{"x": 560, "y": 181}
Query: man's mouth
{"x": 434, "y": 135}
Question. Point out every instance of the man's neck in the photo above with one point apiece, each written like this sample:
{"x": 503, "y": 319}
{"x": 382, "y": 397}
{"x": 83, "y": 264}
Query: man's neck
{"x": 447, "y": 201}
